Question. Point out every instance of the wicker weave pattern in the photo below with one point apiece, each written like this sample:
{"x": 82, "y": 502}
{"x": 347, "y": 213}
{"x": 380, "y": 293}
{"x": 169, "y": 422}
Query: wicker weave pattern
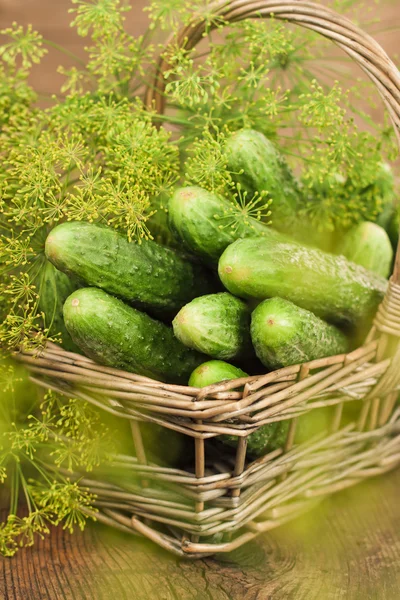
{"x": 221, "y": 408}
{"x": 234, "y": 496}
{"x": 274, "y": 489}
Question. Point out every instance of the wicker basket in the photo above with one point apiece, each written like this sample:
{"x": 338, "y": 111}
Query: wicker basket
{"x": 222, "y": 503}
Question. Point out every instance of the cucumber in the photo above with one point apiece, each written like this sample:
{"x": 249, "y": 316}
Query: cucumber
{"x": 158, "y": 223}
{"x": 167, "y": 447}
{"x": 386, "y": 216}
{"x": 266, "y": 438}
{"x": 214, "y": 371}
{"x": 393, "y": 228}
{"x": 329, "y": 286}
{"x": 381, "y": 192}
{"x": 257, "y": 165}
{"x": 145, "y": 274}
{"x": 54, "y": 288}
{"x": 368, "y": 245}
{"x": 284, "y": 334}
{"x": 117, "y": 335}
{"x": 203, "y": 222}
{"x": 315, "y": 422}
{"x": 216, "y": 324}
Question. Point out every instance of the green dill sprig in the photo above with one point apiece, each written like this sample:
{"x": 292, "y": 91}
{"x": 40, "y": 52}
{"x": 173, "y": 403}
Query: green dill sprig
{"x": 206, "y": 164}
{"x": 244, "y": 211}
{"x": 86, "y": 158}
{"x": 41, "y": 441}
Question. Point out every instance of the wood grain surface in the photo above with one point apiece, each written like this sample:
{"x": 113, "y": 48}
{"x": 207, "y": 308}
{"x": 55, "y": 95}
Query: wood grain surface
{"x": 348, "y": 548}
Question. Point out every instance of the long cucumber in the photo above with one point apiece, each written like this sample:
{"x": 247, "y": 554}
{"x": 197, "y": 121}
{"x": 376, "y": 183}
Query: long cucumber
{"x": 327, "y": 285}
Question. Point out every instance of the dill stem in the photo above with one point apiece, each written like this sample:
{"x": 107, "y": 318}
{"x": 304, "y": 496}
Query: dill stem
{"x": 65, "y": 51}
{"x": 35, "y": 464}
{"x": 28, "y": 497}
{"x": 14, "y": 491}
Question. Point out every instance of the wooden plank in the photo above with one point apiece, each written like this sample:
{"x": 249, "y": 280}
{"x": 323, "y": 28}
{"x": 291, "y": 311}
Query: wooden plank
{"x": 349, "y": 547}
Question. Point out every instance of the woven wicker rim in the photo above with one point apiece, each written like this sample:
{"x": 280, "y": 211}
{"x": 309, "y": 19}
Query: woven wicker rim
{"x": 371, "y": 445}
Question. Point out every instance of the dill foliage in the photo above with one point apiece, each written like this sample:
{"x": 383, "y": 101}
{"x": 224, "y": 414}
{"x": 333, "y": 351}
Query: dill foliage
{"x": 95, "y": 153}
{"x": 45, "y": 442}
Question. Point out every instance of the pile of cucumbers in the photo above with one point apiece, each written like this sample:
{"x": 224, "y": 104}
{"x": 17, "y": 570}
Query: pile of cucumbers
{"x": 240, "y": 299}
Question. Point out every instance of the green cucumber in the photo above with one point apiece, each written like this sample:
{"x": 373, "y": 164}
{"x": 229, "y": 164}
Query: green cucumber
{"x": 394, "y": 229}
{"x": 166, "y": 446}
{"x": 386, "y": 216}
{"x": 145, "y": 274}
{"x": 214, "y": 371}
{"x": 381, "y": 192}
{"x": 117, "y": 335}
{"x": 203, "y": 222}
{"x": 313, "y": 423}
{"x": 368, "y": 245}
{"x": 266, "y": 438}
{"x": 54, "y": 288}
{"x": 158, "y": 225}
{"x": 257, "y": 165}
{"x": 284, "y": 334}
{"x": 329, "y": 286}
{"x": 216, "y": 324}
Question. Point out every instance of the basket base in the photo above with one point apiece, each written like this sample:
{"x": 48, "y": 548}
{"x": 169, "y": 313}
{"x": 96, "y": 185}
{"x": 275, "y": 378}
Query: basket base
{"x": 381, "y": 455}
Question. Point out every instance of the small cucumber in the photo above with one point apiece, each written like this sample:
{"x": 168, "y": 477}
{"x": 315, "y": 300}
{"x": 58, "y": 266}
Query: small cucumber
{"x": 117, "y": 335}
{"x": 166, "y": 446}
{"x": 368, "y": 245}
{"x": 284, "y": 334}
{"x": 381, "y": 192}
{"x": 217, "y": 325}
{"x": 146, "y": 274}
{"x": 203, "y": 222}
{"x": 257, "y": 165}
{"x": 54, "y": 288}
{"x": 266, "y": 438}
{"x": 315, "y": 422}
{"x": 214, "y": 371}
{"x": 327, "y": 285}
{"x": 394, "y": 227}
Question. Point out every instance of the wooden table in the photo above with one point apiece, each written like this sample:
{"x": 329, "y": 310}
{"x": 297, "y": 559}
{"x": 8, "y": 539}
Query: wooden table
{"x": 347, "y": 548}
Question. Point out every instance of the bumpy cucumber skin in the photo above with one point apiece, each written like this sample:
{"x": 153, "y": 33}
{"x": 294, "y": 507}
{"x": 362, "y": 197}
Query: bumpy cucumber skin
{"x": 384, "y": 187}
{"x": 158, "y": 223}
{"x": 258, "y": 166}
{"x": 217, "y": 325}
{"x": 330, "y": 286}
{"x": 146, "y": 274}
{"x": 266, "y": 438}
{"x": 214, "y": 371}
{"x": 368, "y": 245}
{"x": 117, "y": 335}
{"x": 55, "y": 287}
{"x": 284, "y": 334}
{"x": 202, "y": 221}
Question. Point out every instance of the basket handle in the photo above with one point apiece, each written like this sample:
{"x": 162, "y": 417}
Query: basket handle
{"x": 359, "y": 45}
